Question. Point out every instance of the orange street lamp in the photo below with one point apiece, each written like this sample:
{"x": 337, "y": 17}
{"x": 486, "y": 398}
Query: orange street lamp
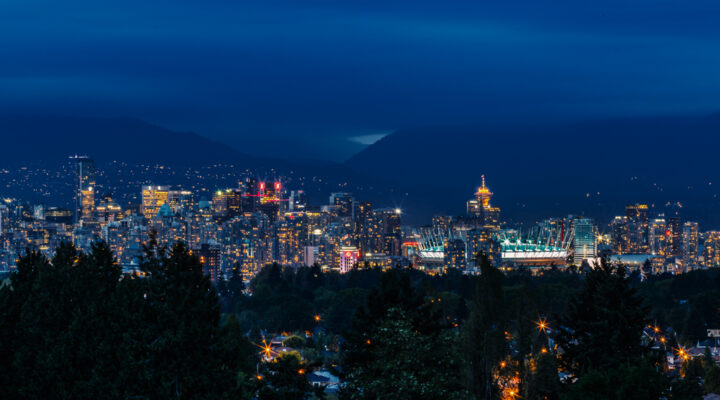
{"x": 542, "y": 325}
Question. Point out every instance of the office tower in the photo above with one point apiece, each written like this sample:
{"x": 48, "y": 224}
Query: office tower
{"x": 442, "y": 223}
{"x": 348, "y": 258}
{"x": 658, "y": 237}
{"x": 249, "y": 189}
{"x": 153, "y": 197}
{"x": 674, "y": 230}
{"x": 454, "y": 254}
{"x": 479, "y": 240}
{"x": 3, "y": 216}
{"x": 344, "y": 204}
{"x": 298, "y": 200}
{"x": 310, "y": 255}
{"x": 210, "y": 259}
{"x": 84, "y": 168}
{"x": 108, "y": 210}
{"x": 391, "y": 231}
{"x": 711, "y": 249}
{"x": 367, "y": 229}
{"x": 690, "y": 244}
{"x": 637, "y": 228}
{"x": 619, "y": 236}
{"x": 226, "y": 203}
{"x": 585, "y": 241}
{"x": 481, "y": 208}
{"x": 180, "y": 201}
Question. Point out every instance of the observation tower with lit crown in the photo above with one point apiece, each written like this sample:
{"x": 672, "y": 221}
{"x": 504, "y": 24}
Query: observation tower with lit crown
{"x": 481, "y": 208}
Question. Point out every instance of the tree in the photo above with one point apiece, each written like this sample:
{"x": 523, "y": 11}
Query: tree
{"x": 77, "y": 328}
{"x": 400, "y": 345}
{"x": 406, "y": 364}
{"x": 285, "y": 378}
{"x": 628, "y": 381}
{"x": 603, "y": 325}
{"x": 484, "y": 338}
{"x": 689, "y": 386}
{"x": 544, "y": 382}
{"x": 712, "y": 380}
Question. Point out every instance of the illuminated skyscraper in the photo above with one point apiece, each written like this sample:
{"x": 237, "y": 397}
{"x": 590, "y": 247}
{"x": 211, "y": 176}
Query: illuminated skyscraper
{"x": 210, "y": 259}
{"x": 637, "y": 228}
{"x": 153, "y": 197}
{"x": 658, "y": 236}
{"x": 454, "y": 254}
{"x": 711, "y": 249}
{"x": 227, "y": 203}
{"x": 481, "y": 208}
{"x": 690, "y": 244}
{"x": 84, "y": 168}
{"x": 585, "y": 241}
{"x": 180, "y": 201}
{"x": 618, "y": 231}
{"x": 674, "y": 232}
{"x": 344, "y": 204}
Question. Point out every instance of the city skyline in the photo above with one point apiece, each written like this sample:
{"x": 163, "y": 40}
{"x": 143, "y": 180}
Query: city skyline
{"x": 323, "y": 200}
{"x": 256, "y": 222}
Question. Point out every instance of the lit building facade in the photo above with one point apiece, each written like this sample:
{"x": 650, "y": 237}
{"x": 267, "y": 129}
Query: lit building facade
{"x": 690, "y": 244}
{"x": 153, "y": 197}
{"x": 711, "y": 249}
{"x": 84, "y": 168}
{"x": 585, "y": 240}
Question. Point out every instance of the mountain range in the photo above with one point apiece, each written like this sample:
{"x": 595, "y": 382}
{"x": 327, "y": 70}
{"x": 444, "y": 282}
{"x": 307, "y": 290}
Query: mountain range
{"x": 591, "y": 168}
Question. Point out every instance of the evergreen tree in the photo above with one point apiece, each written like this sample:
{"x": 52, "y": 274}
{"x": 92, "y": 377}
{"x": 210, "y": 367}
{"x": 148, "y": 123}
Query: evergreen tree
{"x": 485, "y": 344}
{"x": 285, "y": 378}
{"x": 400, "y": 347}
{"x": 604, "y": 322}
{"x": 77, "y": 328}
{"x": 544, "y": 383}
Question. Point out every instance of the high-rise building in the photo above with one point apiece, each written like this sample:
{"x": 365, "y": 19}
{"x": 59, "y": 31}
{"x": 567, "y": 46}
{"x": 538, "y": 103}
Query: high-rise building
{"x": 481, "y": 208}
{"x": 227, "y": 203}
{"x": 690, "y": 244}
{"x": 637, "y": 228}
{"x": 84, "y": 168}
{"x": 344, "y": 204}
{"x": 658, "y": 235}
{"x": 153, "y": 197}
{"x": 674, "y": 232}
{"x": 391, "y": 231}
{"x": 585, "y": 240}
{"x": 3, "y": 216}
{"x": 298, "y": 200}
{"x": 180, "y": 201}
{"x": 619, "y": 237}
{"x": 454, "y": 254}
{"x": 711, "y": 249}
{"x": 348, "y": 258}
{"x": 210, "y": 259}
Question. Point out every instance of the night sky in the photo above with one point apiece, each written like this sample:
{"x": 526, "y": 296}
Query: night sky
{"x": 331, "y": 77}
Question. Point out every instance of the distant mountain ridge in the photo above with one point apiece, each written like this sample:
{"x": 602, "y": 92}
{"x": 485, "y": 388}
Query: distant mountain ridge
{"x": 33, "y": 138}
{"x": 47, "y": 141}
{"x": 592, "y": 168}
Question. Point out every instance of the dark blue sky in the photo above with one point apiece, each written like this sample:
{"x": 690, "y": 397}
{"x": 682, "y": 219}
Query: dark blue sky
{"x": 323, "y": 76}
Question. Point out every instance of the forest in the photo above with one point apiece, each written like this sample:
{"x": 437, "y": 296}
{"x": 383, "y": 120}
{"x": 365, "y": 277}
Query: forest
{"x": 76, "y": 327}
